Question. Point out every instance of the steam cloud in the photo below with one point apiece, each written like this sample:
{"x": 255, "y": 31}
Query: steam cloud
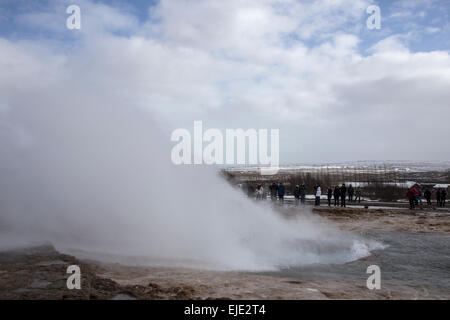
{"x": 98, "y": 177}
{"x": 85, "y": 169}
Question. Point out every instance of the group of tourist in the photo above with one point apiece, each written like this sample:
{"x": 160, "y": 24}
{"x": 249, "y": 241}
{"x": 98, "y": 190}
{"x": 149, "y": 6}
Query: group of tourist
{"x": 278, "y": 191}
{"x": 414, "y": 195}
{"x": 341, "y": 194}
{"x": 275, "y": 190}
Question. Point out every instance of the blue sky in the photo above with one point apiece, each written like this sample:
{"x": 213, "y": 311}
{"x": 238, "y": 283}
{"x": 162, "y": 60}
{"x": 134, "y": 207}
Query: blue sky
{"x": 424, "y": 25}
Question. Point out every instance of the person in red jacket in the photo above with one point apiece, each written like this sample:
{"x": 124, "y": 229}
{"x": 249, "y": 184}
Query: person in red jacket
{"x": 416, "y": 195}
{"x": 411, "y": 197}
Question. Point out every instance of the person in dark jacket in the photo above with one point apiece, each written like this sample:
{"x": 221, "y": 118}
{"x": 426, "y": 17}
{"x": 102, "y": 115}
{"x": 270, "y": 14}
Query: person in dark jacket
{"x": 273, "y": 191}
{"x": 351, "y": 192}
{"x": 329, "y": 195}
{"x": 337, "y": 195}
{"x": 343, "y": 194}
{"x": 427, "y": 195}
{"x": 302, "y": 193}
{"x": 443, "y": 197}
{"x": 438, "y": 197}
{"x": 358, "y": 194}
{"x": 281, "y": 192}
{"x": 297, "y": 194}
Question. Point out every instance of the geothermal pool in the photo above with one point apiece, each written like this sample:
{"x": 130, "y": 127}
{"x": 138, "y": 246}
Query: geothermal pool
{"x": 417, "y": 260}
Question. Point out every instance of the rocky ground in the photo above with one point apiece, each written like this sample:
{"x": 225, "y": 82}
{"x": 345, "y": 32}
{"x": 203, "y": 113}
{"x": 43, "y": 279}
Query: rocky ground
{"x": 387, "y": 219}
{"x": 40, "y": 272}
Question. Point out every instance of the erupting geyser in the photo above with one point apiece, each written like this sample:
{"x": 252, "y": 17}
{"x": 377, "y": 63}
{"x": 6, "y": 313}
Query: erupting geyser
{"x": 84, "y": 169}
{"x": 98, "y": 177}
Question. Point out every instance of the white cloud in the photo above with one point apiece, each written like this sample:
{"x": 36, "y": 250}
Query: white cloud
{"x": 401, "y": 14}
{"x": 228, "y": 63}
{"x": 432, "y": 30}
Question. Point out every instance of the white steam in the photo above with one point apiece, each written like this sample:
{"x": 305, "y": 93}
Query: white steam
{"x": 83, "y": 168}
{"x": 98, "y": 177}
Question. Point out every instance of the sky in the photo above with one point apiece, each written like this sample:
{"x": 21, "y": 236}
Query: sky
{"x": 336, "y": 90}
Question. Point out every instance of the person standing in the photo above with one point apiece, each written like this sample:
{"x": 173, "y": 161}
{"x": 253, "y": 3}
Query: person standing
{"x": 337, "y": 195}
{"x": 443, "y": 197}
{"x": 281, "y": 192}
{"x": 302, "y": 193}
{"x": 318, "y": 194}
{"x": 411, "y": 197}
{"x": 273, "y": 191}
{"x": 358, "y": 194}
{"x": 329, "y": 195}
{"x": 297, "y": 194}
{"x": 427, "y": 195}
{"x": 420, "y": 193}
{"x": 438, "y": 197}
{"x": 260, "y": 192}
{"x": 416, "y": 194}
{"x": 351, "y": 192}
{"x": 343, "y": 194}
